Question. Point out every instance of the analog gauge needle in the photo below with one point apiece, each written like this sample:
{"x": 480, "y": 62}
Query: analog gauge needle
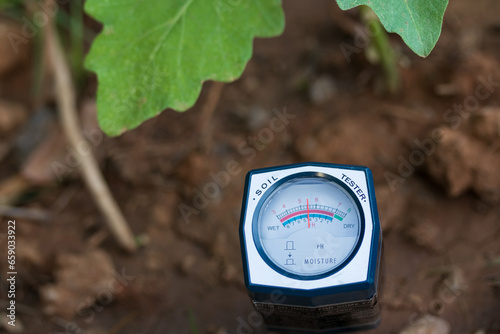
{"x": 308, "y": 221}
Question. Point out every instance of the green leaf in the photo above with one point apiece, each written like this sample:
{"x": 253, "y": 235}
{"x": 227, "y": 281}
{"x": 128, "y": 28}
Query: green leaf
{"x": 155, "y": 54}
{"x": 418, "y": 22}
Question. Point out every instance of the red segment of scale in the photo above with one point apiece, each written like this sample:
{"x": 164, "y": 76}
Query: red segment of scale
{"x": 306, "y": 212}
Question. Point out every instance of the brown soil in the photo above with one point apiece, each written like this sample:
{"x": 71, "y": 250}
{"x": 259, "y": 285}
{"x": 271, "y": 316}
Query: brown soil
{"x": 440, "y": 211}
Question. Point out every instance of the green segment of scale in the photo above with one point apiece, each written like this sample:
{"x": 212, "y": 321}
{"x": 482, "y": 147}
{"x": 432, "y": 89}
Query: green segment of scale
{"x": 342, "y": 214}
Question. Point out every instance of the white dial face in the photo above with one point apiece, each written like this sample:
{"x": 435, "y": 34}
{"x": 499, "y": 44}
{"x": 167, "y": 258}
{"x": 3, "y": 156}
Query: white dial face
{"x": 308, "y": 227}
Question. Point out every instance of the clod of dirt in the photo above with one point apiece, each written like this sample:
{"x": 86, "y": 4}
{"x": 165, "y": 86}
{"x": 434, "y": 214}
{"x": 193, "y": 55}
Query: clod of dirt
{"x": 391, "y": 206}
{"x": 338, "y": 140}
{"x": 4, "y": 323}
{"x": 44, "y": 164}
{"x": 11, "y": 115}
{"x": 452, "y": 285}
{"x": 256, "y": 118}
{"x": 165, "y": 210}
{"x": 194, "y": 170}
{"x": 186, "y": 264}
{"x": 222, "y": 250}
{"x": 322, "y": 90}
{"x": 426, "y": 234}
{"x": 427, "y": 324}
{"x": 485, "y": 125}
{"x": 11, "y": 189}
{"x": 11, "y": 54}
{"x": 50, "y": 158}
{"x": 29, "y": 253}
{"x": 473, "y": 71}
{"x": 40, "y": 125}
{"x": 80, "y": 281}
{"x": 203, "y": 268}
{"x": 469, "y": 158}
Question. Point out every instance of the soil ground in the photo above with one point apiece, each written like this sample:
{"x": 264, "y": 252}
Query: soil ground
{"x": 442, "y": 247}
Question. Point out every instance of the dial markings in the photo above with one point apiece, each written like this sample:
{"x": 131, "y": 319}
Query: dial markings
{"x": 311, "y": 211}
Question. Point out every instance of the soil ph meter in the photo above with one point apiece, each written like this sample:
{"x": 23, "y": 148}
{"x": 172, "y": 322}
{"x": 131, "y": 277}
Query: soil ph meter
{"x": 311, "y": 244}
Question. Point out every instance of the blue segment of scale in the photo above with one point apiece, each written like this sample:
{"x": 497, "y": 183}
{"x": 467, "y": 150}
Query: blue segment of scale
{"x": 312, "y": 215}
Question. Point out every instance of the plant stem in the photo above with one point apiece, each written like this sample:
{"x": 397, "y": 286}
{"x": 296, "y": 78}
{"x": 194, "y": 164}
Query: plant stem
{"x": 89, "y": 169}
{"x": 383, "y": 47}
{"x": 38, "y": 67}
{"x": 192, "y": 323}
{"x": 76, "y": 33}
{"x": 207, "y": 112}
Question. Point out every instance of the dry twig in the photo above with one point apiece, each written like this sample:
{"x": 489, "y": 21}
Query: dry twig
{"x": 25, "y": 213}
{"x": 66, "y": 100}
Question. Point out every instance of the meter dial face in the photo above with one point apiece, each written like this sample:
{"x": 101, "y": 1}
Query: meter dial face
{"x": 308, "y": 226}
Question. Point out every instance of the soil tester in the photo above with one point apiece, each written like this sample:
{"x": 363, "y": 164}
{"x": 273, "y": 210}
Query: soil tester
{"x": 311, "y": 243}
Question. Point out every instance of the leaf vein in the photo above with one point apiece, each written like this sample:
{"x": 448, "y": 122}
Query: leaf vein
{"x": 176, "y": 19}
{"x": 417, "y": 30}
